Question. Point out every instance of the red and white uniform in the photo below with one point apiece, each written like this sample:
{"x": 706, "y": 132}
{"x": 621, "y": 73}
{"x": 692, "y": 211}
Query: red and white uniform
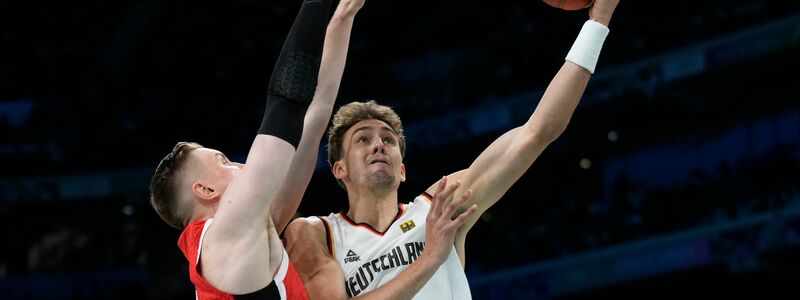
{"x": 286, "y": 283}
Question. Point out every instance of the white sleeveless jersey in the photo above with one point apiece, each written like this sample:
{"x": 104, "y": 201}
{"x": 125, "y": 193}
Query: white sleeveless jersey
{"x": 370, "y": 258}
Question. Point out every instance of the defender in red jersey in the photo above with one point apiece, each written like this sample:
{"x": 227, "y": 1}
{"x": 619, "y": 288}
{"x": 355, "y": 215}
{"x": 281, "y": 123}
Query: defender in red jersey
{"x": 231, "y": 213}
{"x": 286, "y": 283}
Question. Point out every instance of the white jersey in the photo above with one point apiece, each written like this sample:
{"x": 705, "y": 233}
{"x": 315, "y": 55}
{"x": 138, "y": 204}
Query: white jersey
{"x": 370, "y": 258}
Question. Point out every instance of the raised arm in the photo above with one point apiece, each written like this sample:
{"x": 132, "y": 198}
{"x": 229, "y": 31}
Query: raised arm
{"x": 334, "y": 56}
{"x": 239, "y": 248}
{"x": 508, "y": 157}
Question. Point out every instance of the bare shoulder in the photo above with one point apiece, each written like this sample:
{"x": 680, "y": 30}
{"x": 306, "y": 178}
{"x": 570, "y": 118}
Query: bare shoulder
{"x": 306, "y": 243}
{"x": 308, "y": 250}
{"x": 302, "y": 226}
{"x": 304, "y": 233}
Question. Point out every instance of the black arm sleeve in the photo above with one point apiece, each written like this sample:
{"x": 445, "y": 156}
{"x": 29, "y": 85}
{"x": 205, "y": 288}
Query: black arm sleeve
{"x": 294, "y": 79}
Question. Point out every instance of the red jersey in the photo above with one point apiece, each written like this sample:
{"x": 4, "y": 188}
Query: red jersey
{"x": 286, "y": 283}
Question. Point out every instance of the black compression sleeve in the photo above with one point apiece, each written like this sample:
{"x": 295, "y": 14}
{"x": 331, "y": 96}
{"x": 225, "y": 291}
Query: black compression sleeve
{"x": 294, "y": 78}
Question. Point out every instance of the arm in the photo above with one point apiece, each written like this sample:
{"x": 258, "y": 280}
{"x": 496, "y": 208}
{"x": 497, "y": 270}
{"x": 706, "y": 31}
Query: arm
{"x": 239, "y": 247}
{"x": 323, "y": 278}
{"x": 308, "y": 250}
{"x": 334, "y": 55}
{"x": 508, "y": 157}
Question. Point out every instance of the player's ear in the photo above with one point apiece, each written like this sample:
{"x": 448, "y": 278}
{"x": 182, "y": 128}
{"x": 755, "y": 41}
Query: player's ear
{"x": 204, "y": 191}
{"x": 402, "y": 172}
{"x": 339, "y": 170}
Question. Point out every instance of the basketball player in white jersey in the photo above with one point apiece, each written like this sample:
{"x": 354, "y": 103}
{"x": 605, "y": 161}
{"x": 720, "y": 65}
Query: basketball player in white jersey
{"x": 380, "y": 249}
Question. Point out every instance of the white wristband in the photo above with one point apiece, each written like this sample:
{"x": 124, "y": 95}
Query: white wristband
{"x": 586, "y": 49}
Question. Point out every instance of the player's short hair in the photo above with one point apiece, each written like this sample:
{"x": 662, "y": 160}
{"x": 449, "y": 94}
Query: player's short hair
{"x": 354, "y": 112}
{"x": 164, "y": 192}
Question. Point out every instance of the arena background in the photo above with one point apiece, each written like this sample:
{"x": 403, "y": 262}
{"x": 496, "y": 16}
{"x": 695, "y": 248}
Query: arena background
{"x": 677, "y": 177}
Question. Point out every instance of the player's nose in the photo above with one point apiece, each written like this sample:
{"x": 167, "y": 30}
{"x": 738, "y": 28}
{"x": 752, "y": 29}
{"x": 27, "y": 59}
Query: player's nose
{"x": 377, "y": 146}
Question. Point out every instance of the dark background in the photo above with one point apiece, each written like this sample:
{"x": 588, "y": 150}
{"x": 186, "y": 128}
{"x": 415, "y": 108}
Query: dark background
{"x": 677, "y": 177}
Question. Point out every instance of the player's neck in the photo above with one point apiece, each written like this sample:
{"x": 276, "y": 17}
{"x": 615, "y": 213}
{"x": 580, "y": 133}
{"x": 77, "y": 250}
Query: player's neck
{"x": 378, "y": 211}
{"x": 203, "y": 212}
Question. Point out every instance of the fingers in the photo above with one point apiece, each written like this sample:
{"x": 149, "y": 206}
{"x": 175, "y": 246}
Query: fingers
{"x": 454, "y": 205}
{"x": 448, "y": 192}
{"x": 463, "y": 216}
{"x": 439, "y": 188}
{"x": 443, "y": 195}
{"x": 445, "y": 206}
{"x": 462, "y": 200}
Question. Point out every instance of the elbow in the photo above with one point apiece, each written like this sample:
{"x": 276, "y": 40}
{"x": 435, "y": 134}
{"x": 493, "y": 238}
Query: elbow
{"x": 319, "y": 112}
{"x": 546, "y": 133}
{"x": 324, "y": 98}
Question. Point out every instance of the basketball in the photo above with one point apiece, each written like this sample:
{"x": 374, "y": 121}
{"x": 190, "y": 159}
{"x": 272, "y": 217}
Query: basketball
{"x": 569, "y": 4}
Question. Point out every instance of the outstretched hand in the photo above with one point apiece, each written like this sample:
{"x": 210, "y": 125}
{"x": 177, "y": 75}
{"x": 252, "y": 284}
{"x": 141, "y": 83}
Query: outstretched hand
{"x": 441, "y": 228}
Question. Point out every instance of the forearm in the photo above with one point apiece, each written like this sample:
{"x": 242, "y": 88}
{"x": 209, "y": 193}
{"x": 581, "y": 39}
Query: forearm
{"x": 294, "y": 79}
{"x": 407, "y": 284}
{"x": 510, "y": 156}
{"x": 558, "y": 103}
{"x": 334, "y": 56}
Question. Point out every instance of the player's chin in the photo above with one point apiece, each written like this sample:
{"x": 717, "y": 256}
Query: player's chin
{"x": 381, "y": 177}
